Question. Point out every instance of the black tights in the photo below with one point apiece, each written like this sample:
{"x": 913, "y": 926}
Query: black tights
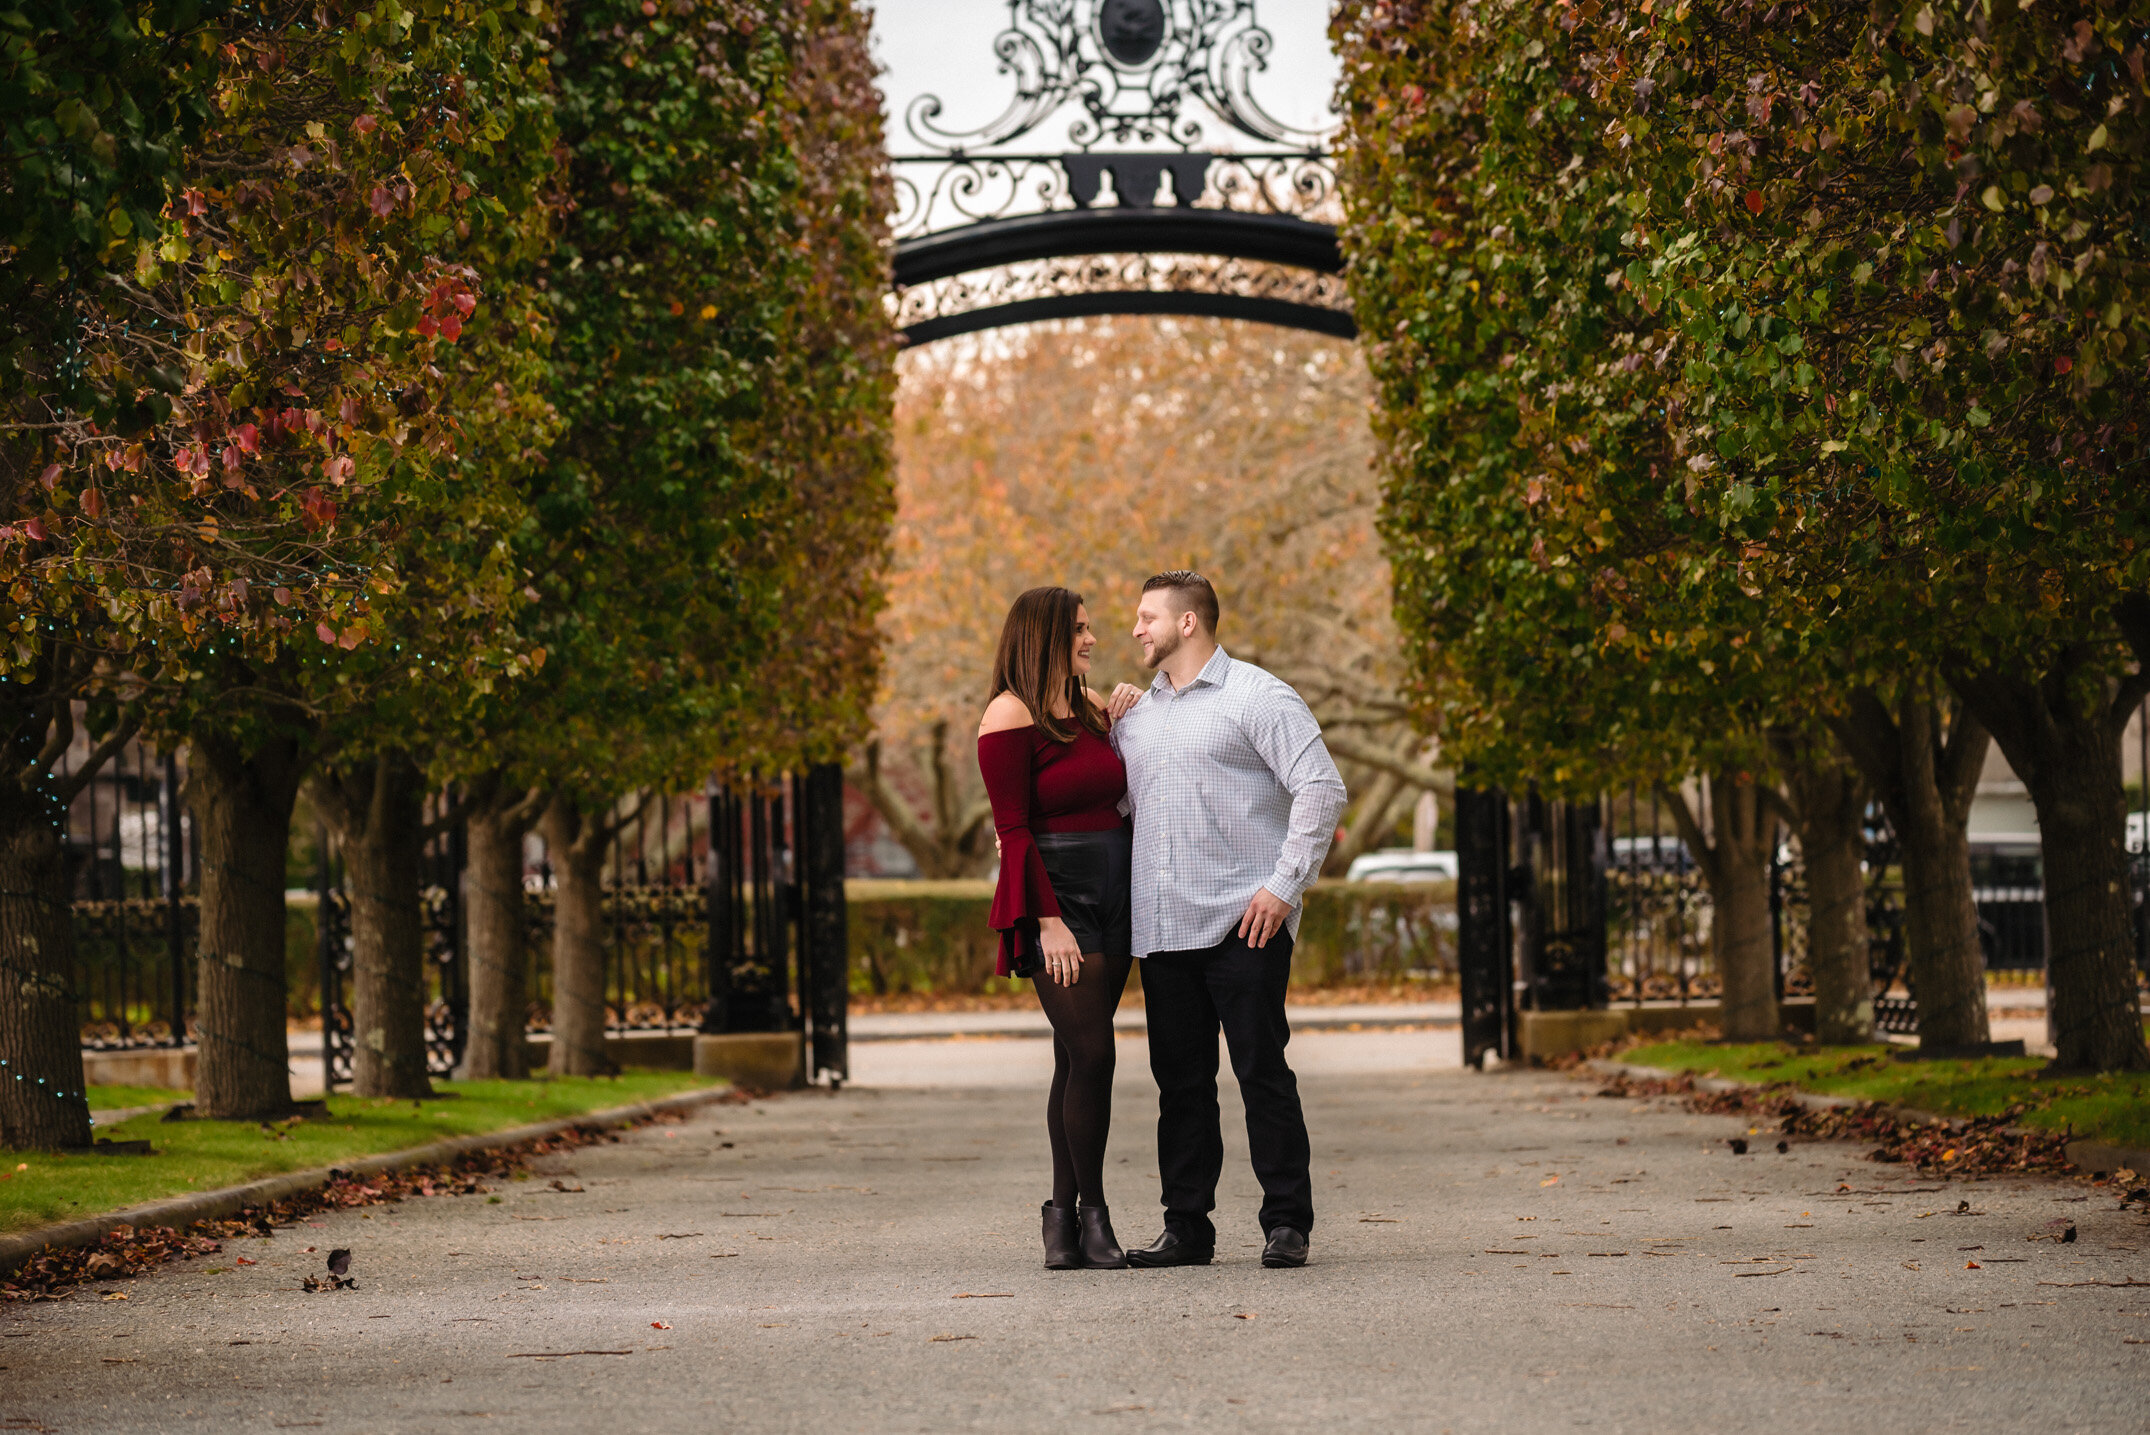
{"x": 1078, "y": 1114}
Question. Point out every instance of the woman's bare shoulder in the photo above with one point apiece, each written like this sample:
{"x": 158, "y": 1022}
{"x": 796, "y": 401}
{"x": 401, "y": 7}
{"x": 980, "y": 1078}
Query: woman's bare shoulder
{"x": 1003, "y": 714}
{"x": 1097, "y": 699}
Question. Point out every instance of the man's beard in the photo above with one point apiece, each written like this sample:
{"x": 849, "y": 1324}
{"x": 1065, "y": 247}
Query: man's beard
{"x": 1162, "y": 648}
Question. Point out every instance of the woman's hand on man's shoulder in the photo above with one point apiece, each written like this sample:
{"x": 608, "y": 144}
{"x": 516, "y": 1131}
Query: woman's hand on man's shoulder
{"x": 1004, "y": 714}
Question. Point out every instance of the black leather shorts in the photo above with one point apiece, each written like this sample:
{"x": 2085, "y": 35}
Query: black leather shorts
{"x": 1091, "y": 874}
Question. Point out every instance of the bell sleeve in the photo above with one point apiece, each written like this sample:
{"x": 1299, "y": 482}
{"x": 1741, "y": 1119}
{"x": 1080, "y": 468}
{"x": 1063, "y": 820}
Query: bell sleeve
{"x": 1024, "y": 893}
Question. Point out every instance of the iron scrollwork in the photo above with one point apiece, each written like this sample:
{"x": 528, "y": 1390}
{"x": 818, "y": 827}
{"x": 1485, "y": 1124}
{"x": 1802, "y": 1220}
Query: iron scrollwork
{"x": 935, "y": 192}
{"x": 1132, "y": 65}
{"x": 1121, "y": 274}
{"x": 1138, "y": 70}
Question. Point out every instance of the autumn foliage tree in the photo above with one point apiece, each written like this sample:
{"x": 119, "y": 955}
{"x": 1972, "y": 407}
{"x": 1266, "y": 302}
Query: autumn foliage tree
{"x": 1094, "y": 455}
{"x": 262, "y": 399}
{"x": 707, "y": 535}
{"x": 1816, "y": 352}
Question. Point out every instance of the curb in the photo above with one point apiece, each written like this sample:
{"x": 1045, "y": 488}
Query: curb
{"x": 2087, "y": 1156}
{"x": 2097, "y": 1156}
{"x": 183, "y": 1211}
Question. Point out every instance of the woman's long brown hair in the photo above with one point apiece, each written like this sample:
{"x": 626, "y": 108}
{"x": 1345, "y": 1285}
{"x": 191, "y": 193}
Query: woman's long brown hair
{"x": 1035, "y": 661}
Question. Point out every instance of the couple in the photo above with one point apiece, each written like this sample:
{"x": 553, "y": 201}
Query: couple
{"x": 1234, "y": 800}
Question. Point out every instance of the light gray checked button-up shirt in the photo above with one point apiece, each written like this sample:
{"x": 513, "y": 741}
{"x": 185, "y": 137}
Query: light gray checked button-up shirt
{"x": 1231, "y": 790}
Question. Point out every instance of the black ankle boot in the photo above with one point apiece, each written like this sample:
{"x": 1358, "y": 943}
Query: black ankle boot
{"x": 1063, "y": 1244}
{"x": 1100, "y": 1247}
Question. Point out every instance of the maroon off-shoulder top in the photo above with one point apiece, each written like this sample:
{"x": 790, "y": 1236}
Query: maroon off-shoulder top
{"x": 1039, "y": 785}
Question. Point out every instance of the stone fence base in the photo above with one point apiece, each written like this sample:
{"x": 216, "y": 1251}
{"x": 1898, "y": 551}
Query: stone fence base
{"x": 1542, "y": 1035}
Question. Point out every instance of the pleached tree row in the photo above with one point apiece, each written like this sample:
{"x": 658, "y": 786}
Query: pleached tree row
{"x": 459, "y": 393}
{"x": 1761, "y": 390}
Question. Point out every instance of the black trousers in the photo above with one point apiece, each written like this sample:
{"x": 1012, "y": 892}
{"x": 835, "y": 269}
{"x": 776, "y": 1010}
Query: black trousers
{"x": 1187, "y": 996}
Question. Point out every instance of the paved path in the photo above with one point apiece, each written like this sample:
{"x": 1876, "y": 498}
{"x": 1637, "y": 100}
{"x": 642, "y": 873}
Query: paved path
{"x": 1496, "y": 1253}
{"x": 1029, "y": 1021}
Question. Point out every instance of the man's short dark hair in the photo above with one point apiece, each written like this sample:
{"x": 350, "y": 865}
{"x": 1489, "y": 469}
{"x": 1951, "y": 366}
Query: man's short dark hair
{"x": 1191, "y": 593}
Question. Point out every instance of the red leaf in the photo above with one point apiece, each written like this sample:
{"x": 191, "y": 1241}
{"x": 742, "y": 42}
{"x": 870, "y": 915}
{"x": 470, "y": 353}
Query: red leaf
{"x": 381, "y": 201}
{"x": 2063, "y": 364}
{"x": 50, "y": 476}
{"x": 1754, "y": 201}
{"x": 320, "y": 512}
{"x": 93, "y": 502}
{"x": 324, "y": 632}
{"x": 451, "y": 328}
{"x": 35, "y": 527}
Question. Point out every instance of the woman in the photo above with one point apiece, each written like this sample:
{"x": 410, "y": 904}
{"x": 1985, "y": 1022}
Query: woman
{"x": 1062, "y": 904}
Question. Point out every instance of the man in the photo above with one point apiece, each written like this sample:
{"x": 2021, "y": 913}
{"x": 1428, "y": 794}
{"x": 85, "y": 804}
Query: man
{"x": 1235, "y": 800}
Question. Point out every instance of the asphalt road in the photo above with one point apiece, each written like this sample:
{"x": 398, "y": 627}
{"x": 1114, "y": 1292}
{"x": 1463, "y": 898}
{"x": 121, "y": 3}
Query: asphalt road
{"x": 1498, "y": 1253}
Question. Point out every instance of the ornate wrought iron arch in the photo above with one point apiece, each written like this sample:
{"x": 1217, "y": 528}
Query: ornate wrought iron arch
{"x": 1135, "y": 217}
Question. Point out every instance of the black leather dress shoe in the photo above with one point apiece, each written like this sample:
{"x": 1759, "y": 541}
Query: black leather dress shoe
{"x": 1169, "y": 1250}
{"x": 1286, "y": 1248}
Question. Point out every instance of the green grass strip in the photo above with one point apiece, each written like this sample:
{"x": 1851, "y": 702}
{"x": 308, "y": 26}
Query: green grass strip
{"x": 39, "y": 1188}
{"x": 2113, "y": 1106}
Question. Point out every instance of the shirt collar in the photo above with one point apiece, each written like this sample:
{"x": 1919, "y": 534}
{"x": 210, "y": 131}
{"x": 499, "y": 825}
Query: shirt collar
{"x": 1213, "y": 673}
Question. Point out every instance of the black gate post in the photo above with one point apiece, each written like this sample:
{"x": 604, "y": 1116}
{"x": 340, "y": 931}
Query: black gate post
{"x": 455, "y": 975}
{"x": 722, "y": 909}
{"x": 331, "y": 1002}
{"x": 825, "y": 928}
{"x": 1484, "y": 950}
{"x": 1587, "y": 895}
{"x": 175, "y": 882}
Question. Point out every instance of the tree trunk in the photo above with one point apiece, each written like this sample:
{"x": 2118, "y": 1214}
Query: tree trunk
{"x": 955, "y": 845}
{"x": 1734, "y": 859}
{"x": 1746, "y": 836}
{"x": 42, "y": 1101}
{"x": 494, "y": 933}
{"x": 2061, "y": 733}
{"x": 1829, "y": 803}
{"x": 575, "y": 841}
{"x": 242, "y": 801}
{"x": 378, "y": 809}
{"x": 1924, "y": 763}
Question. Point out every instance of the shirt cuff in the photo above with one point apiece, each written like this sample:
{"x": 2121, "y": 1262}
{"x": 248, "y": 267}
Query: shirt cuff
{"x": 1286, "y": 886}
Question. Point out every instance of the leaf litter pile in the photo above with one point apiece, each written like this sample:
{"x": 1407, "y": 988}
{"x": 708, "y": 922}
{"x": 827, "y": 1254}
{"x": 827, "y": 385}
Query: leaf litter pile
{"x": 128, "y": 1251}
{"x": 1976, "y": 1146}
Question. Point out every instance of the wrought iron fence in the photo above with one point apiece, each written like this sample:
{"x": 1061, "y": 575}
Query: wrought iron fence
{"x": 447, "y": 990}
{"x": 135, "y": 910}
{"x": 1565, "y": 905}
{"x": 722, "y": 912}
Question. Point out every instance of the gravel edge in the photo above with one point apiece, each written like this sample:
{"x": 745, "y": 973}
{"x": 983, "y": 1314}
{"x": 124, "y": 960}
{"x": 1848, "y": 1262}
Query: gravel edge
{"x": 182, "y": 1211}
{"x": 2088, "y": 1156}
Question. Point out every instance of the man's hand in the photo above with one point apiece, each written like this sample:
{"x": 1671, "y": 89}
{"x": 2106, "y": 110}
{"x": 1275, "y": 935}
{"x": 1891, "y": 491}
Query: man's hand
{"x": 1264, "y": 918}
{"x": 1125, "y": 696}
